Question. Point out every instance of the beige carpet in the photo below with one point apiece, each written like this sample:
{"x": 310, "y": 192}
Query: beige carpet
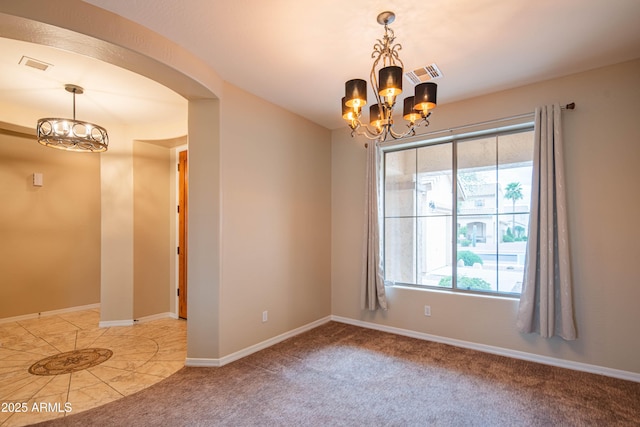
{"x": 341, "y": 375}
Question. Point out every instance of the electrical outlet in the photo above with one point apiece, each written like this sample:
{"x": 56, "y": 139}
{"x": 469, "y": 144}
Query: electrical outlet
{"x": 265, "y": 316}
{"x": 427, "y": 310}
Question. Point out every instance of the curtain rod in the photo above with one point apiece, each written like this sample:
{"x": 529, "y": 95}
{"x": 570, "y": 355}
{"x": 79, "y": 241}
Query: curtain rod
{"x": 570, "y": 106}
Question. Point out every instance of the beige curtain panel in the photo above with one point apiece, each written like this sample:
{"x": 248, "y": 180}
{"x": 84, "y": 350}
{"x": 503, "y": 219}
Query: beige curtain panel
{"x": 546, "y": 302}
{"x": 372, "y": 294}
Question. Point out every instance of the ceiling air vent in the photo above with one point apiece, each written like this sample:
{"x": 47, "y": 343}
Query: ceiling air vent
{"x": 34, "y": 63}
{"x": 423, "y": 74}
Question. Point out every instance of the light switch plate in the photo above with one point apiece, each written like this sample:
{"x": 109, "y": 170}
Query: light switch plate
{"x": 37, "y": 179}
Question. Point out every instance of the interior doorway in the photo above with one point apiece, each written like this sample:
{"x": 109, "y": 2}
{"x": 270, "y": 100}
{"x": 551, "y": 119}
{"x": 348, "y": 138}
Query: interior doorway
{"x": 183, "y": 206}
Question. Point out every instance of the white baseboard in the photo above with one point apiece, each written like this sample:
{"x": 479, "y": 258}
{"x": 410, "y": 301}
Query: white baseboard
{"x": 196, "y": 362}
{"x": 115, "y": 323}
{"x": 546, "y": 360}
{"x": 167, "y": 315}
{"x": 50, "y": 313}
{"x": 128, "y": 322}
{"x": 102, "y": 324}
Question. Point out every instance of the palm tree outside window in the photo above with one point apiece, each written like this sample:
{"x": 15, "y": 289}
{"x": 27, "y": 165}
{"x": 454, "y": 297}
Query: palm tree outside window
{"x": 513, "y": 192}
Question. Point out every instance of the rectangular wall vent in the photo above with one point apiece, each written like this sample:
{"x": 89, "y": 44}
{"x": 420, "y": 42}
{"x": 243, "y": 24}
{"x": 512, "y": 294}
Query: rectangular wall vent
{"x": 34, "y": 63}
{"x": 424, "y": 74}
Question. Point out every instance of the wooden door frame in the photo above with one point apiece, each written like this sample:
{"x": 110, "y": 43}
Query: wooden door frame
{"x": 183, "y": 210}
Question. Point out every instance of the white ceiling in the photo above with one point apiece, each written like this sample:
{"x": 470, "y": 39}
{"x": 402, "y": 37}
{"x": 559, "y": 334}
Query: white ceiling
{"x": 111, "y": 94}
{"x": 299, "y": 53}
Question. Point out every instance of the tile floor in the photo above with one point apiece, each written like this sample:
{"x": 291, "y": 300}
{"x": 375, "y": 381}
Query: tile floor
{"x": 143, "y": 354}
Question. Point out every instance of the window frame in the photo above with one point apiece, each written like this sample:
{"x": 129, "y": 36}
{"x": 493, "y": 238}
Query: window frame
{"x": 453, "y": 138}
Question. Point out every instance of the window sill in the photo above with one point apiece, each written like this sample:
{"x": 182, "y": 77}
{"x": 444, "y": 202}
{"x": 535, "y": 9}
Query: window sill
{"x": 460, "y": 292}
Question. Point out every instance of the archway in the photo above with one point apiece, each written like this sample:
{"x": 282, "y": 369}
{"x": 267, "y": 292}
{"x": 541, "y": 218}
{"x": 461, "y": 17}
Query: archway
{"x": 94, "y": 32}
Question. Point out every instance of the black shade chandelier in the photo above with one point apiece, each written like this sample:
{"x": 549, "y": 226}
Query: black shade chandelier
{"x": 72, "y": 135}
{"x": 386, "y": 80}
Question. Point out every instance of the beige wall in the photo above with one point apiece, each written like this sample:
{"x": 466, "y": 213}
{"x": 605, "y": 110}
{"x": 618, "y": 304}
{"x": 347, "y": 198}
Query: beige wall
{"x": 116, "y": 176}
{"x": 203, "y": 265}
{"x": 601, "y": 158}
{"x": 119, "y": 264}
{"x": 128, "y": 264}
{"x": 276, "y": 220}
{"x": 152, "y": 255}
{"x": 49, "y": 235}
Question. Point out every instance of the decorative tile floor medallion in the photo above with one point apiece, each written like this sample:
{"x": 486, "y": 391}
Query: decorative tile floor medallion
{"x": 71, "y": 361}
{"x": 67, "y": 363}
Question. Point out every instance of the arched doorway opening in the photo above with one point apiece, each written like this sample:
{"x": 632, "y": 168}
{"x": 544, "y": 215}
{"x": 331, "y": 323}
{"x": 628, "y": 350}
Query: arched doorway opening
{"x": 93, "y": 32}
